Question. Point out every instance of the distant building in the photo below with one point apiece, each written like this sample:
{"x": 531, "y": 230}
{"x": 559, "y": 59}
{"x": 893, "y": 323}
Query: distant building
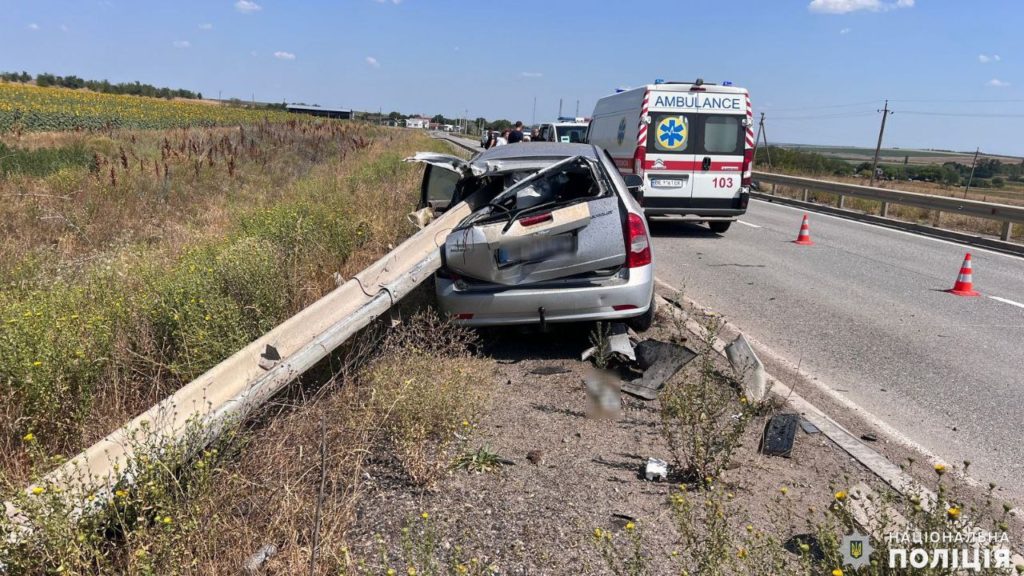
{"x": 320, "y": 111}
{"x": 417, "y": 122}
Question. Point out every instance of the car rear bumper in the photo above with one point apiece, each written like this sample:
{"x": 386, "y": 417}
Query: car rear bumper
{"x": 503, "y": 306}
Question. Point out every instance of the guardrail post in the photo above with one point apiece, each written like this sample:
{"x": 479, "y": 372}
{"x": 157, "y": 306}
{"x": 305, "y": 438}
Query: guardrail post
{"x": 842, "y": 201}
{"x": 937, "y": 218}
{"x": 885, "y": 209}
{"x": 773, "y": 188}
{"x": 1007, "y": 231}
{"x": 807, "y": 195}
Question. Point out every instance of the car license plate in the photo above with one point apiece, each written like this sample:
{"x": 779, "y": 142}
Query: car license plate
{"x": 667, "y": 183}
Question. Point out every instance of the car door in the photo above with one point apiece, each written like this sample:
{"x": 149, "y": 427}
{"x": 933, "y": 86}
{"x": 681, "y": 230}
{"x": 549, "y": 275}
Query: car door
{"x": 718, "y": 169}
{"x": 440, "y": 175}
{"x": 669, "y": 163}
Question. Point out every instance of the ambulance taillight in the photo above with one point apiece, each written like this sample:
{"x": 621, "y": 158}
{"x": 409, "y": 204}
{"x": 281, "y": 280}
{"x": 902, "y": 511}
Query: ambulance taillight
{"x": 639, "y": 158}
{"x": 747, "y": 175}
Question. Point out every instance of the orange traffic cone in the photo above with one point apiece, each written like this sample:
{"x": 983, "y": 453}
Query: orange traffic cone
{"x": 804, "y": 238}
{"x": 964, "y": 285}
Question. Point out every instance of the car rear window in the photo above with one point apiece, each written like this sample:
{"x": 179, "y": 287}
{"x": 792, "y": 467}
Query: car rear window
{"x": 674, "y": 133}
{"x": 572, "y": 133}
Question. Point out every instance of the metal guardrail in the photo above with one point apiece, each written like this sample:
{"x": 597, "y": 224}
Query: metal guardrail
{"x": 1007, "y": 214}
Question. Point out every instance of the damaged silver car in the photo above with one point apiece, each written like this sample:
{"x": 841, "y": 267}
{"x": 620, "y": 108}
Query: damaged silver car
{"x": 555, "y": 236}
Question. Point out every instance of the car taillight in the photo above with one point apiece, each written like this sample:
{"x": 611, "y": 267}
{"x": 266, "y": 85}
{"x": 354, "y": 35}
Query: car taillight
{"x": 639, "y": 158}
{"x": 621, "y": 307}
{"x": 638, "y": 245}
{"x": 747, "y": 175}
{"x": 464, "y": 316}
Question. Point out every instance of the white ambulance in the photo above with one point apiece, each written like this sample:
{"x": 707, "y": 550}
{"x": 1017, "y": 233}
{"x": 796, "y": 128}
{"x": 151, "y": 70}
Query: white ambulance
{"x": 692, "y": 143}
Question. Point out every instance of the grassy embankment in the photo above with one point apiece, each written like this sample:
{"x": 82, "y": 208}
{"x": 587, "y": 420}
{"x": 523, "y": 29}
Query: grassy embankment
{"x": 133, "y": 262}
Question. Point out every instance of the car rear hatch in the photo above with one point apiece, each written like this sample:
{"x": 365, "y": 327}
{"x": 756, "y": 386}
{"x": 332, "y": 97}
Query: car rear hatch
{"x": 563, "y": 221}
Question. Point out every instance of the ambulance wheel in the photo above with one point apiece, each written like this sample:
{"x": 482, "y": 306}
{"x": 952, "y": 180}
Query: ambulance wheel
{"x": 719, "y": 227}
{"x": 643, "y": 322}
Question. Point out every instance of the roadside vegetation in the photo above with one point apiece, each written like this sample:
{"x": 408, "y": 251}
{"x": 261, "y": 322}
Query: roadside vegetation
{"x": 129, "y": 274}
{"x": 994, "y": 181}
{"x": 29, "y": 108}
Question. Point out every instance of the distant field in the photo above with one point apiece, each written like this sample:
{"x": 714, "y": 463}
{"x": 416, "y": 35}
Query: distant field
{"x": 889, "y": 155}
{"x": 32, "y": 109}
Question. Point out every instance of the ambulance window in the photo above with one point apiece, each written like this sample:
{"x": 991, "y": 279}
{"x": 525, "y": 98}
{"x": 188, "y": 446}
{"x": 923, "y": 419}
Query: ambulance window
{"x": 722, "y": 134}
{"x": 671, "y": 133}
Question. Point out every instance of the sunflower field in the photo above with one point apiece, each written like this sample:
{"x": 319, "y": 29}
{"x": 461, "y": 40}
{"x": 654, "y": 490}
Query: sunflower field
{"x": 33, "y": 109}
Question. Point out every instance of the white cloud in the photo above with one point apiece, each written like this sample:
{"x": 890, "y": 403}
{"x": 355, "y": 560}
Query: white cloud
{"x": 389, "y": 1}
{"x": 33, "y": 26}
{"x": 532, "y": 74}
{"x": 206, "y": 26}
{"x": 282, "y": 55}
{"x": 247, "y": 6}
{"x": 985, "y": 58}
{"x": 372, "y": 61}
{"x": 997, "y": 83}
{"x": 845, "y": 31}
{"x": 847, "y": 6}
{"x": 182, "y": 44}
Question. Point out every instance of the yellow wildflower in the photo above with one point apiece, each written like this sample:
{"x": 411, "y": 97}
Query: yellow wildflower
{"x": 30, "y": 437}
{"x": 37, "y": 490}
{"x": 630, "y": 526}
{"x": 953, "y": 513}
{"x": 841, "y": 495}
{"x": 940, "y": 469}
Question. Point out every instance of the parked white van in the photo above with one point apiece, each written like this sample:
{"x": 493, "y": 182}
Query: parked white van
{"x": 692, "y": 143}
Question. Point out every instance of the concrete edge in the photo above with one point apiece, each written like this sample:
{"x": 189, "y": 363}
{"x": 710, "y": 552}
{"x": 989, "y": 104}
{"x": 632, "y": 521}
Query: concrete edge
{"x": 942, "y": 233}
{"x": 874, "y": 461}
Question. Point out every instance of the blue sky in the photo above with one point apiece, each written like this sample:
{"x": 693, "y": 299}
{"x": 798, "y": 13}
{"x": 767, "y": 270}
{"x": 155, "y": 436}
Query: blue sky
{"x": 818, "y": 68}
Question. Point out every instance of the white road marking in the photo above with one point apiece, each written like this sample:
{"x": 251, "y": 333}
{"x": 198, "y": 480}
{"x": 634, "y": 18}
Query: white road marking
{"x": 1005, "y": 301}
{"x": 748, "y": 224}
{"x": 880, "y": 227}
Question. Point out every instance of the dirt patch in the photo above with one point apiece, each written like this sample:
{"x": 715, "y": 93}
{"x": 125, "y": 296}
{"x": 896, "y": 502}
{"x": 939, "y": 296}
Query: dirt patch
{"x": 571, "y": 474}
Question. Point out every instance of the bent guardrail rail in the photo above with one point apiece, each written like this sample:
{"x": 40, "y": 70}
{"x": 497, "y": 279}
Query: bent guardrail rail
{"x": 1007, "y": 214}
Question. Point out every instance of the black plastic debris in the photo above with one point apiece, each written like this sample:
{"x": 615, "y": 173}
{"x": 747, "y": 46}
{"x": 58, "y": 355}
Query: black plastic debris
{"x": 779, "y": 434}
{"x": 659, "y": 362}
{"x": 805, "y": 545}
{"x": 549, "y": 370}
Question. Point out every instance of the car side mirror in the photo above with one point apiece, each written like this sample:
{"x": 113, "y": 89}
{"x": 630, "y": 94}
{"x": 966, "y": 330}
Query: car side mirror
{"x": 635, "y": 185}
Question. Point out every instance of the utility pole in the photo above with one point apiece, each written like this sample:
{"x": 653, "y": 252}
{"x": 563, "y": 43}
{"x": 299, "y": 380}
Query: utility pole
{"x": 533, "y": 118}
{"x": 973, "y": 164}
{"x": 577, "y": 108}
{"x": 874, "y": 164}
{"x": 559, "y": 107}
{"x": 761, "y": 132}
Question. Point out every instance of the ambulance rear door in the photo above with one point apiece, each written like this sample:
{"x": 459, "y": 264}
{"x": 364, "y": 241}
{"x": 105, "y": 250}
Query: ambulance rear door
{"x": 718, "y": 151}
{"x": 669, "y": 158}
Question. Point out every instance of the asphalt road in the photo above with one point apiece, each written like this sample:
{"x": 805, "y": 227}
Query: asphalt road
{"x": 864, "y": 312}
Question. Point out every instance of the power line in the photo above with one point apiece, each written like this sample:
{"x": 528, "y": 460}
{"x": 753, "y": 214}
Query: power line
{"x": 801, "y": 108}
{"x": 962, "y": 114}
{"x": 827, "y": 116}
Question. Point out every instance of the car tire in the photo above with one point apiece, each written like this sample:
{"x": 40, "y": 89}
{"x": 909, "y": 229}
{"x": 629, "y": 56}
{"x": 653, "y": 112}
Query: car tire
{"x": 643, "y": 322}
{"x": 719, "y": 227}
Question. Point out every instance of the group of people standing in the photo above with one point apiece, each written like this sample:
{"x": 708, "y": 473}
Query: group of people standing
{"x": 507, "y": 136}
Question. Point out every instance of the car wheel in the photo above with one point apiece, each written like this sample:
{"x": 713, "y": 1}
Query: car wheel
{"x": 719, "y": 227}
{"x": 644, "y": 321}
